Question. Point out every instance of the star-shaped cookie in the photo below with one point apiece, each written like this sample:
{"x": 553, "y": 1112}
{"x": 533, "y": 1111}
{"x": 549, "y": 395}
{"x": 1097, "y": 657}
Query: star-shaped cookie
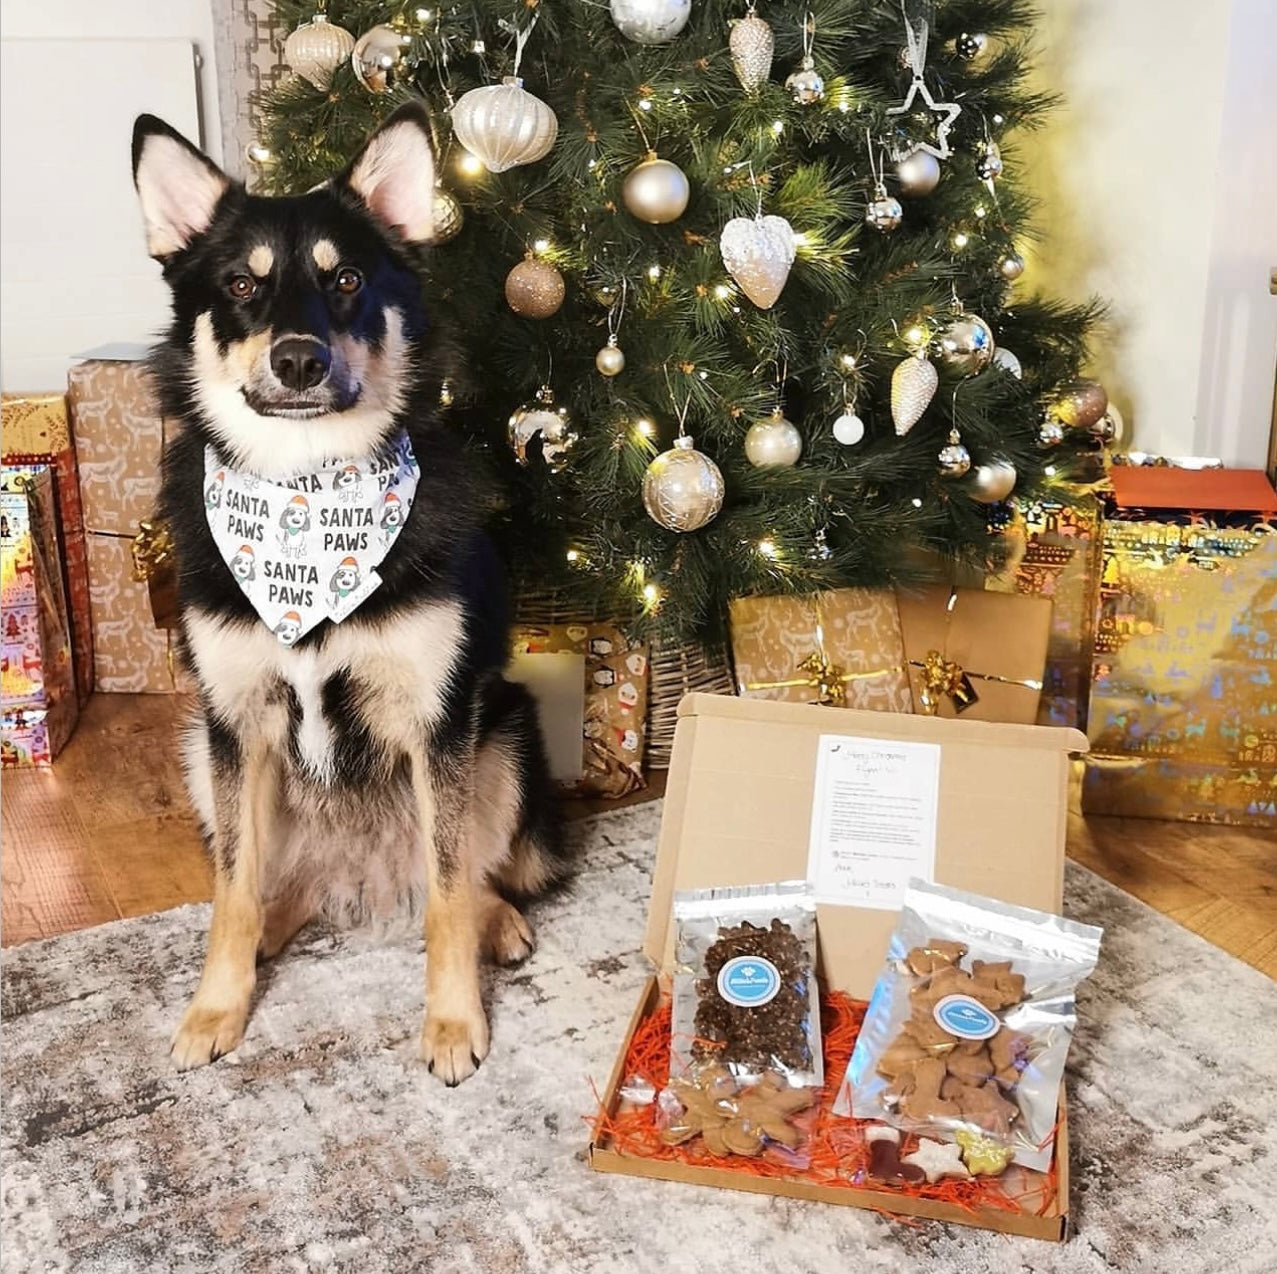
{"x": 938, "y": 1159}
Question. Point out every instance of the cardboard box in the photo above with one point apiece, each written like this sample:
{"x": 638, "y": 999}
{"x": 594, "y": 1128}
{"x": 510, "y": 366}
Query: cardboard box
{"x": 738, "y": 811}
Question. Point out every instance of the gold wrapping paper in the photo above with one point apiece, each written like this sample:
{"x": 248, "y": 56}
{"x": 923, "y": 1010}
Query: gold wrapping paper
{"x": 842, "y": 647}
{"x": 974, "y": 653}
{"x": 1183, "y": 714}
{"x": 616, "y": 677}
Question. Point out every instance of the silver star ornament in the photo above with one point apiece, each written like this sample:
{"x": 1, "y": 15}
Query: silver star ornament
{"x": 950, "y": 111}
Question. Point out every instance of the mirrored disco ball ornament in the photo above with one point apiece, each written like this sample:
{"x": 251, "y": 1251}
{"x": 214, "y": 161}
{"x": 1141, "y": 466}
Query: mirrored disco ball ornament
{"x": 883, "y": 212}
{"x": 954, "y": 458}
{"x": 317, "y": 48}
{"x": 992, "y": 481}
{"x": 988, "y": 164}
{"x": 806, "y": 85}
{"x": 379, "y": 59}
{"x": 503, "y": 125}
{"x": 551, "y": 423}
{"x": 918, "y": 174}
{"x": 650, "y": 21}
{"x": 447, "y": 215}
{"x": 656, "y": 191}
{"x": 682, "y": 488}
{"x": 752, "y": 44}
{"x": 966, "y": 344}
{"x": 969, "y": 45}
{"x": 1050, "y": 433}
{"x": 773, "y": 443}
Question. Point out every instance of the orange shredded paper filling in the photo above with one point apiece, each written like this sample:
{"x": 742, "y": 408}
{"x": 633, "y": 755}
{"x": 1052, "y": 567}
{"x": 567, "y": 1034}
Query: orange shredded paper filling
{"x": 836, "y": 1147}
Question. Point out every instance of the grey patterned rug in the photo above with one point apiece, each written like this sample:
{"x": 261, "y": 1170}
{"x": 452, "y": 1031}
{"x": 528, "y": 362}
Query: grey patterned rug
{"x": 323, "y": 1145}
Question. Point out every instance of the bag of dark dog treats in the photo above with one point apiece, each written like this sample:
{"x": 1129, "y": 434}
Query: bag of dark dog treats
{"x": 969, "y": 1026}
{"x": 745, "y": 995}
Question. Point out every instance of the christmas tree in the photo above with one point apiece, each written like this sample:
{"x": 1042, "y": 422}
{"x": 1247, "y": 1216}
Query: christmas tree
{"x": 788, "y": 234}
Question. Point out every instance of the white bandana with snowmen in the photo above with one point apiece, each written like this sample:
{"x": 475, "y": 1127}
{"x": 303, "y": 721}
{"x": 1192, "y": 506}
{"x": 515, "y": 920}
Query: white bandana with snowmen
{"x": 306, "y": 549}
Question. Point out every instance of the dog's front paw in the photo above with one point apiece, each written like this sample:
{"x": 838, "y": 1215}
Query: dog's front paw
{"x": 205, "y": 1035}
{"x": 453, "y": 1046}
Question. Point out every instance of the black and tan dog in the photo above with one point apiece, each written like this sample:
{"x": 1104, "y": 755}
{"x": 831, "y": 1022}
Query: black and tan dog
{"x": 347, "y": 767}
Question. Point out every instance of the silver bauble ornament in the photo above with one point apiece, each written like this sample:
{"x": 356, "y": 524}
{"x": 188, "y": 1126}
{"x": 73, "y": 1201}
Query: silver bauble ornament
{"x": 918, "y": 174}
{"x": 504, "y": 125}
{"x": 758, "y": 252}
{"x": 954, "y": 458}
{"x": 806, "y": 85}
{"x": 773, "y": 443}
{"x": 551, "y": 422}
{"x": 988, "y": 164}
{"x": 883, "y": 211}
{"x": 317, "y": 48}
{"x": 913, "y": 385}
{"x": 379, "y": 59}
{"x": 969, "y": 45}
{"x": 752, "y": 44}
{"x": 966, "y": 345}
{"x": 1011, "y": 266}
{"x": 534, "y": 289}
{"x": 1006, "y": 360}
{"x": 650, "y": 21}
{"x": 610, "y": 360}
{"x": 1050, "y": 433}
{"x": 992, "y": 481}
{"x": 849, "y": 429}
{"x": 1111, "y": 427}
{"x": 682, "y": 488}
{"x": 1081, "y": 403}
{"x": 656, "y": 191}
{"x": 447, "y": 214}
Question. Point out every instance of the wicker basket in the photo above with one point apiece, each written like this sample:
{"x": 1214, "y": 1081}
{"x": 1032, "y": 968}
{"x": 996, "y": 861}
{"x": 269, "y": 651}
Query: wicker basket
{"x": 675, "y": 670}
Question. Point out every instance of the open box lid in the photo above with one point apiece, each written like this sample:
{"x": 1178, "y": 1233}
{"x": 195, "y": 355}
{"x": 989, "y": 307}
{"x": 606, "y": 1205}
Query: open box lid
{"x": 738, "y": 811}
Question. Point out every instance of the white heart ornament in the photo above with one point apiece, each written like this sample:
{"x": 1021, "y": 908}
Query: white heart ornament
{"x": 758, "y": 252}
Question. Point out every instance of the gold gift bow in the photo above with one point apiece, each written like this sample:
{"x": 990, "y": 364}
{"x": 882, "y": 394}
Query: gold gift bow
{"x": 823, "y": 675}
{"x": 942, "y": 676}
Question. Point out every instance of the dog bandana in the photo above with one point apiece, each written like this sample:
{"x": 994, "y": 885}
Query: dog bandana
{"x": 307, "y": 549}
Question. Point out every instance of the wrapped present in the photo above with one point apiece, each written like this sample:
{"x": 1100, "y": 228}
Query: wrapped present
{"x": 615, "y": 712}
{"x": 841, "y": 648}
{"x": 1055, "y": 553}
{"x": 974, "y": 653}
{"x": 1183, "y": 712}
{"x": 119, "y": 438}
{"x": 37, "y": 431}
{"x": 38, "y": 700}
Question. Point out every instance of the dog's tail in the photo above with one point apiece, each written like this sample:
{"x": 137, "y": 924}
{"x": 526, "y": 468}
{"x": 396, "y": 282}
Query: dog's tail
{"x": 511, "y": 730}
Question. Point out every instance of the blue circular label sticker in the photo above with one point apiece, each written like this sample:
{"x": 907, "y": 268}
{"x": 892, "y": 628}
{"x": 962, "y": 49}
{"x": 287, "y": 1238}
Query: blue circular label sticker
{"x": 966, "y": 1018}
{"x": 748, "y": 981}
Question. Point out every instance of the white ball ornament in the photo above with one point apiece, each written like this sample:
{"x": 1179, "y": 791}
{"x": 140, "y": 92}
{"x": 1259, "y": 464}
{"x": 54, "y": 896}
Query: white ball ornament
{"x": 650, "y": 21}
{"x": 773, "y": 443}
{"x": 504, "y": 125}
{"x": 918, "y": 174}
{"x": 849, "y": 429}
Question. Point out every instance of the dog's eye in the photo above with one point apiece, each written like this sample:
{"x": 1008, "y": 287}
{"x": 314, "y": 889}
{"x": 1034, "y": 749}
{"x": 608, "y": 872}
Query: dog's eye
{"x": 348, "y": 281}
{"x": 241, "y": 287}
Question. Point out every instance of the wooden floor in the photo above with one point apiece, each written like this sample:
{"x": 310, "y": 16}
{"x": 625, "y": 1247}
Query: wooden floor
{"x": 107, "y": 834}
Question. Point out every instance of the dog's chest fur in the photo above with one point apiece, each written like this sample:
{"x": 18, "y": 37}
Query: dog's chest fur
{"x": 342, "y": 711}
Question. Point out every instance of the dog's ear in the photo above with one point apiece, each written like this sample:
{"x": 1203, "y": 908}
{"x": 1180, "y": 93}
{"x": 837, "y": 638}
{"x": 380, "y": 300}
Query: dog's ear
{"x": 394, "y": 174}
{"x": 179, "y": 188}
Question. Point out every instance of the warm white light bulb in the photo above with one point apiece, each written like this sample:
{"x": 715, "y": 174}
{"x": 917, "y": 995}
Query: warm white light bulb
{"x": 574, "y": 555}
{"x": 767, "y": 548}
{"x": 650, "y": 592}
{"x": 653, "y": 272}
{"x": 778, "y": 126}
{"x": 541, "y": 245}
{"x": 1049, "y": 471}
{"x": 470, "y": 164}
{"x": 645, "y": 427}
{"x": 722, "y": 291}
{"x": 916, "y": 502}
{"x": 848, "y": 361}
{"x": 645, "y": 104}
{"x": 961, "y": 239}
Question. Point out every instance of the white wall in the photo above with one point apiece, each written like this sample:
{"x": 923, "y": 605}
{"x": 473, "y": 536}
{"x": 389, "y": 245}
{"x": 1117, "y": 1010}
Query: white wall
{"x": 124, "y": 20}
{"x": 1159, "y": 187}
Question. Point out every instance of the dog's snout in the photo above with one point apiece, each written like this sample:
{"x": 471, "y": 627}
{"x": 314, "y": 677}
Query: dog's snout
{"x": 300, "y": 362}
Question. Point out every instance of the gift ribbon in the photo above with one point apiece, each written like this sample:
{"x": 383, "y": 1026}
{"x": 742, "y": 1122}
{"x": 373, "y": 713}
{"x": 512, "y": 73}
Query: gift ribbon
{"x": 943, "y": 676}
{"x": 824, "y": 676}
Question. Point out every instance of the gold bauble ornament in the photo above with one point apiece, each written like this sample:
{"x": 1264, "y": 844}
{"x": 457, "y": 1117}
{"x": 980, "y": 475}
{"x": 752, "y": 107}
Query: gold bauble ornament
{"x": 534, "y": 289}
{"x": 610, "y": 360}
{"x": 773, "y": 443}
{"x": 656, "y": 191}
{"x": 682, "y": 488}
{"x": 1081, "y": 403}
{"x": 447, "y": 214}
{"x": 913, "y": 385}
{"x": 317, "y": 48}
{"x": 992, "y": 481}
{"x": 966, "y": 344}
{"x": 1011, "y": 266}
{"x": 551, "y": 422}
{"x": 379, "y": 58}
{"x": 503, "y": 125}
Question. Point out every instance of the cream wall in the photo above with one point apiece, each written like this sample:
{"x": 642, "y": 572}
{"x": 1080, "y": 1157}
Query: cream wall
{"x": 1158, "y": 180}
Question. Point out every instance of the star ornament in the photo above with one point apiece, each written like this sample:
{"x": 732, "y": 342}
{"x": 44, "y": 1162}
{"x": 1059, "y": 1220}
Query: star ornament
{"x": 950, "y": 111}
{"x": 938, "y": 1159}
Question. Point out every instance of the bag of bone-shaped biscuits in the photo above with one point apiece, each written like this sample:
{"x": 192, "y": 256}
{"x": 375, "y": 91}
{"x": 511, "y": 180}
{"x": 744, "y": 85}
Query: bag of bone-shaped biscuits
{"x": 970, "y": 1022}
